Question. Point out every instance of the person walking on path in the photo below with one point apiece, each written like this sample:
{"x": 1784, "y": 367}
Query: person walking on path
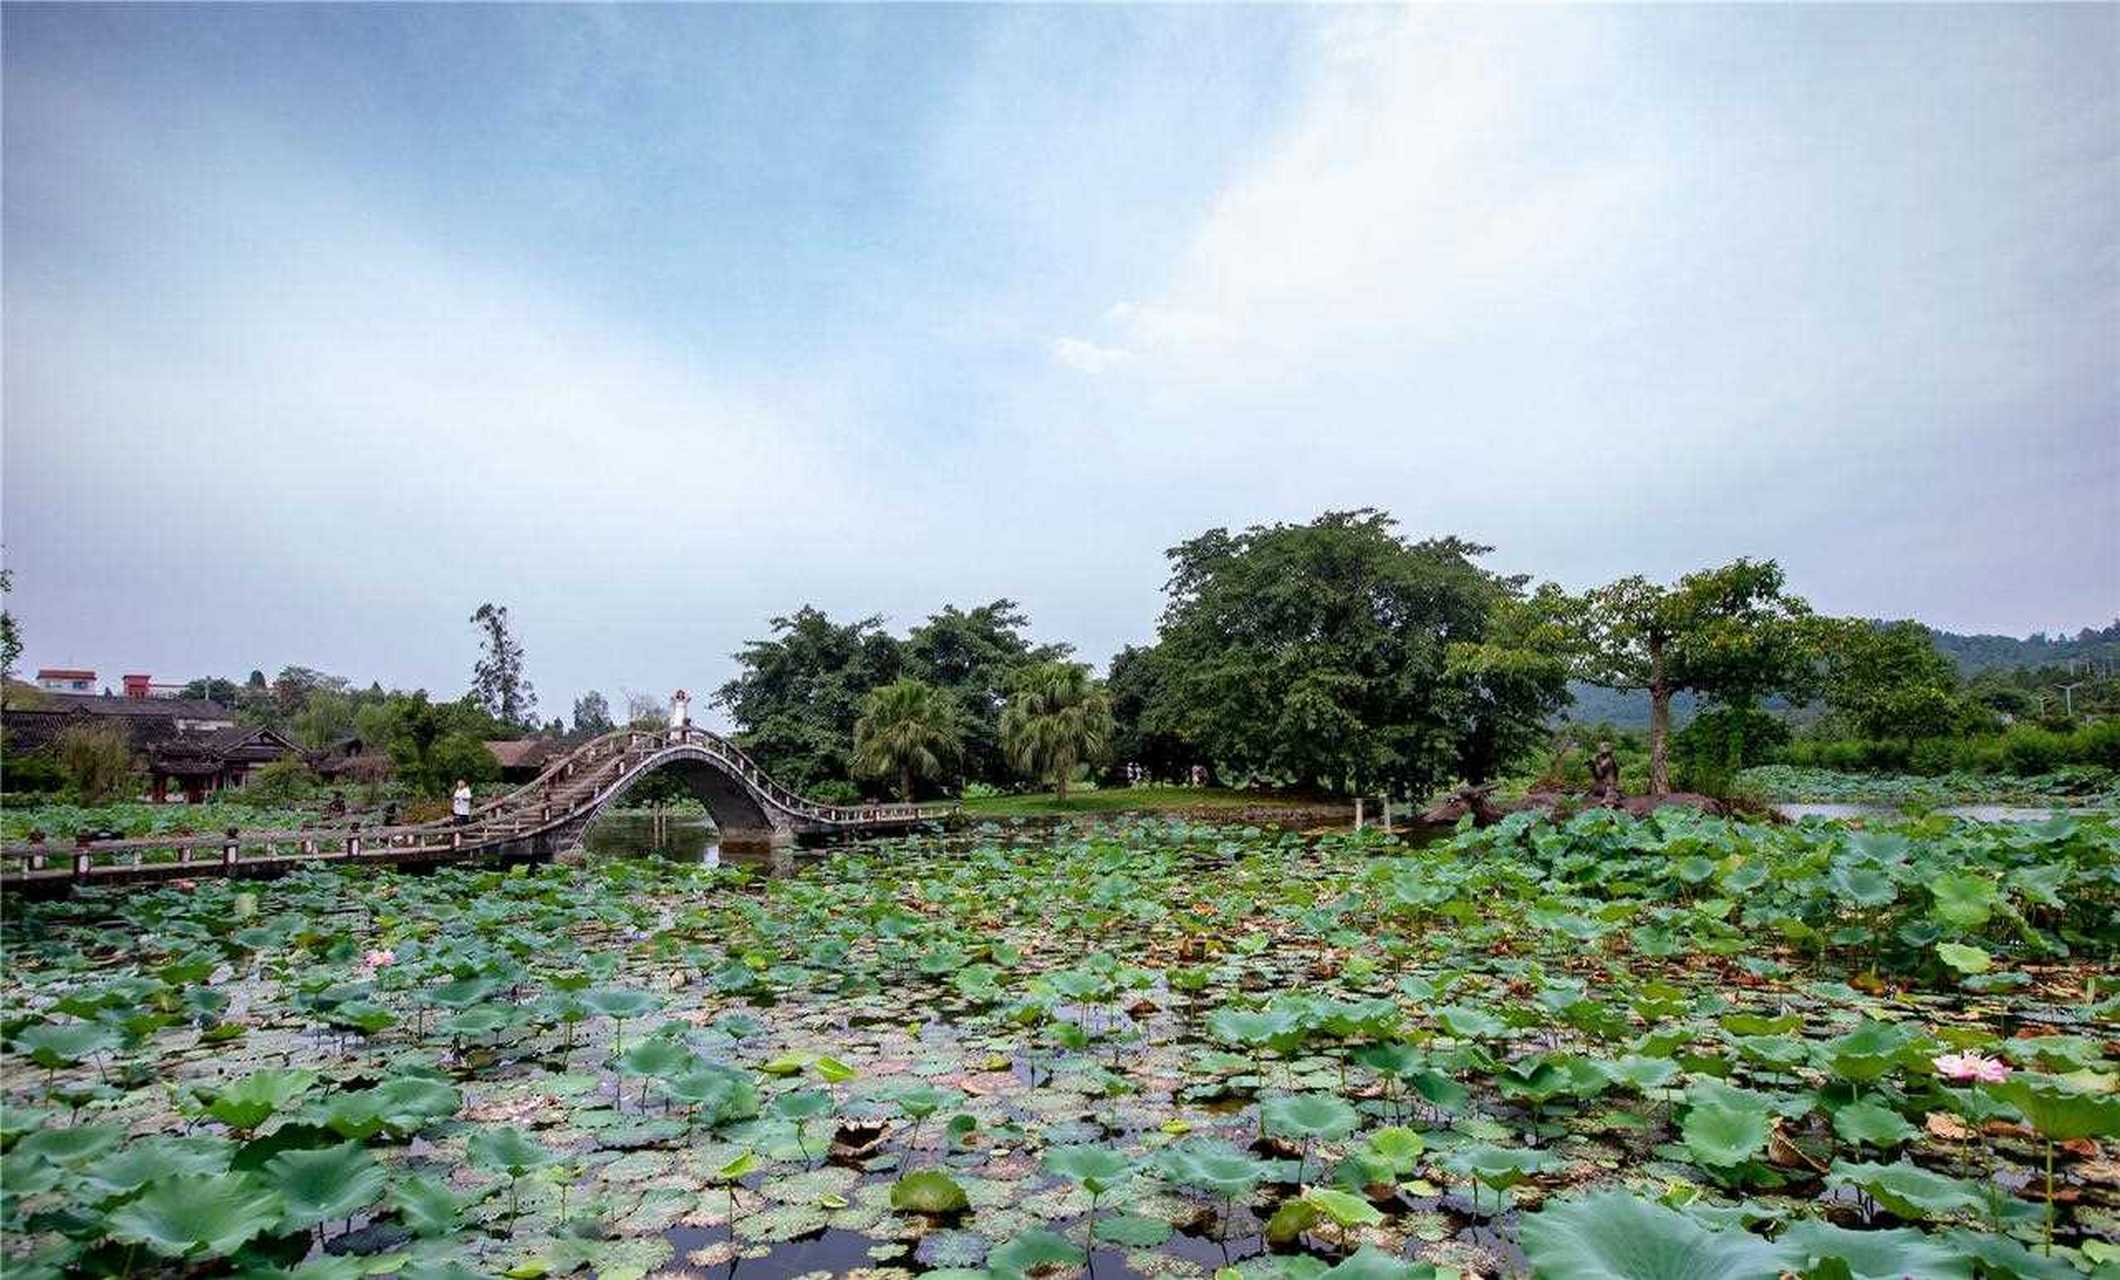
{"x": 460, "y": 802}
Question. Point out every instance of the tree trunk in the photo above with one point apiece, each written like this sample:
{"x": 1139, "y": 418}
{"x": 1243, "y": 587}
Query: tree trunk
{"x": 1659, "y": 721}
{"x": 905, "y": 782}
{"x": 1060, "y": 783}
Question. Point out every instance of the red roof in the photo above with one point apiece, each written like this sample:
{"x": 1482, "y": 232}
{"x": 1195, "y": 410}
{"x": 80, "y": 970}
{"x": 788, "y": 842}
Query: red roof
{"x": 63, "y": 673}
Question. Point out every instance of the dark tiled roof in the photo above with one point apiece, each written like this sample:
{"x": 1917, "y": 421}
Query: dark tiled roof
{"x": 38, "y": 728}
{"x": 521, "y": 753}
{"x": 98, "y": 704}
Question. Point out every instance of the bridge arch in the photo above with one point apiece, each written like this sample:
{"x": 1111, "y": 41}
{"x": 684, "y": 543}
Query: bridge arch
{"x": 738, "y": 812}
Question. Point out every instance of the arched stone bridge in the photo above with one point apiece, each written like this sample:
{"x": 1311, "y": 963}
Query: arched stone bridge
{"x": 536, "y": 820}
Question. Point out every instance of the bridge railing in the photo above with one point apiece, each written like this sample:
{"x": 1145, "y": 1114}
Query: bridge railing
{"x": 174, "y": 856}
{"x": 582, "y": 780}
{"x": 785, "y": 798}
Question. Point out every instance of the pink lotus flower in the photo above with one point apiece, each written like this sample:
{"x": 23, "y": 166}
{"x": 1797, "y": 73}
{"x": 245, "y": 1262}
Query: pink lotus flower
{"x": 185, "y": 885}
{"x": 1967, "y": 1068}
{"x": 377, "y": 959}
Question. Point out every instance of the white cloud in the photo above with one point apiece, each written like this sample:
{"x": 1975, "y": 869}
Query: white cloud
{"x": 1089, "y": 357}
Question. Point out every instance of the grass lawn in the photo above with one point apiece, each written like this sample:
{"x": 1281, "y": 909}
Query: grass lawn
{"x": 1127, "y": 800}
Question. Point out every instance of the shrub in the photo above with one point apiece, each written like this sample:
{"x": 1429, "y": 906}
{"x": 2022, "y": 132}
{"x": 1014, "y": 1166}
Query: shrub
{"x": 97, "y": 761}
{"x": 2031, "y": 749}
{"x": 833, "y": 791}
{"x": 36, "y": 773}
{"x": 2099, "y": 744}
{"x": 277, "y": 784}
{"x": 1935, "y": 755}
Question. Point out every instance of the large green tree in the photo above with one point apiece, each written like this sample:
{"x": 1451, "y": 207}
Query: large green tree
{"x": 976, "y": 655}
{"x": 1058, "y": 717}
{"x": 1340, "y": 656}
{"x": 432, "y": 744}
{"x": 1137, "y": 680}
{"x": 797, "y": 695}
{"x": 908, "y": 729}
{"x": 1888, "y": 680}
{"x": 1730, "y": 634}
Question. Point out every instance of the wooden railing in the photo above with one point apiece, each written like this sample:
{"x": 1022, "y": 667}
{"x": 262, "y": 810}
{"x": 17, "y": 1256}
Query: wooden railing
{"x": 579, "y": 782}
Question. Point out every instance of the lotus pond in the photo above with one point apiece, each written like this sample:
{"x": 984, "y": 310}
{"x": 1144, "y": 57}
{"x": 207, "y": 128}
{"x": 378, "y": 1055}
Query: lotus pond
{"x": 1675, "y": 1047}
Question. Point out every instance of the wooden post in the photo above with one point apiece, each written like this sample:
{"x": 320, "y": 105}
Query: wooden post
{"x": 1358, "y": 813}
{"x": 353, "y": 841}
{"x": 228, "y": 848}
{"x": 36, "y": 851}
{"x": 81, "y": 856}
{"x": 1387, "y": 813}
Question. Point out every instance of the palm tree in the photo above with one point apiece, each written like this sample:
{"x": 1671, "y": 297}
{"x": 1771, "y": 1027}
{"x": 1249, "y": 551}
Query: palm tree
{"x": 910, "y": 728}
{"x": 1057, "y": 718}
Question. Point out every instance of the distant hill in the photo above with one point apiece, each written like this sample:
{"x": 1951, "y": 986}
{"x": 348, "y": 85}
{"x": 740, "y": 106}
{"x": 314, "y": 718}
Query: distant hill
{"x": 1973, "y": 654}
{"x": 1982, "y": 653}
{"x": 1625, "y": 709}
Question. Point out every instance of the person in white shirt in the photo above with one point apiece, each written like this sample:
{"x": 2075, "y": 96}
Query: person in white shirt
{"x": 460, "y": 802}
{"x": 680, "y": 710}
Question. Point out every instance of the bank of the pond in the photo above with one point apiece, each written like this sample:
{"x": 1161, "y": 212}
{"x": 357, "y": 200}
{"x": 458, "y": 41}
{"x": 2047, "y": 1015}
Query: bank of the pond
{"x": 1205, "y": 803}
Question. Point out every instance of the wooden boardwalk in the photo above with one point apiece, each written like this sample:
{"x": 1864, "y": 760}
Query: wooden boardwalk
{"x": 534, "y": 820}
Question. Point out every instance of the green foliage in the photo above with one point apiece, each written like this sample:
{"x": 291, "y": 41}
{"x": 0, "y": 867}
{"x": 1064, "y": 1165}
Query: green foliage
{"x": 434, "y": 744}
{"x": 325, "y": 1183}
{"x": 928, "y": 1191}
{"x": 197, "y": 1216}
{"x": 908, "y": 730}
{"x": 97, "y": 760}
{"x": 279, "y": 783}
{"x": 1729, "y": 633}
{"x": 497, "y": 681}
{"x": 1058, "y": 717}
{"x": 249, "y": 1102}
{"x": 1337, "y": 655}
{"x": 976, "y": 656}
{"x": 798, "y": 695}
{"x": 1615, "y": 1236}
{"x": 592, "y": 715}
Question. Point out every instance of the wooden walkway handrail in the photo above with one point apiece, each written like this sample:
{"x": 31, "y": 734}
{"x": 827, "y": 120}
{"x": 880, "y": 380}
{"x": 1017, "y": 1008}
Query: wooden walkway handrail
{"x": 584, "y": 780}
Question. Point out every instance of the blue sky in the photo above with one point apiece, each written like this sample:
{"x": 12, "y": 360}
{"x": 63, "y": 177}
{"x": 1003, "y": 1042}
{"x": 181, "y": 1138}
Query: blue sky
{"x": 325, "y": 324}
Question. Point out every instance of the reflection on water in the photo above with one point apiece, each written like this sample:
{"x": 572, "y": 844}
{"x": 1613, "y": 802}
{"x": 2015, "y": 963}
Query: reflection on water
{"x": 680, "y": 838}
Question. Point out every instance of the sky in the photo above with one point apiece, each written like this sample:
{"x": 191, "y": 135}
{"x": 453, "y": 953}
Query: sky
{"x": 325, "y": 324}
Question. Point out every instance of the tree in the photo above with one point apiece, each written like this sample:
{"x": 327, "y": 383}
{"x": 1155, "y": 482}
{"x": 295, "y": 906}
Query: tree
{"x": 1502, "y": 689}
{"x": 798, "y": 694}
{"x": 1058, "y": 718}
{"x": 975, "y": 655}
{"x": 295, "y": 688}
{"x": 497, "y": 681}
{"x": 326, "y": 717}
{"x": 1729, "y": 634}
{"x": 214, "y": 689}
{"x": 908, "y": 728}
{"x": 433, "y": 744}
{"x": 592, "y": 715}
{"x": 1339, "y": 656}
{"x": 280, "y": 782}
{"x": 97, "y": 760}
{"x": 1887, "y": 680}
{"x": 1136, "y": 682}
{"x": 646, "y": 711}
{"x": 10, "y": 635}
